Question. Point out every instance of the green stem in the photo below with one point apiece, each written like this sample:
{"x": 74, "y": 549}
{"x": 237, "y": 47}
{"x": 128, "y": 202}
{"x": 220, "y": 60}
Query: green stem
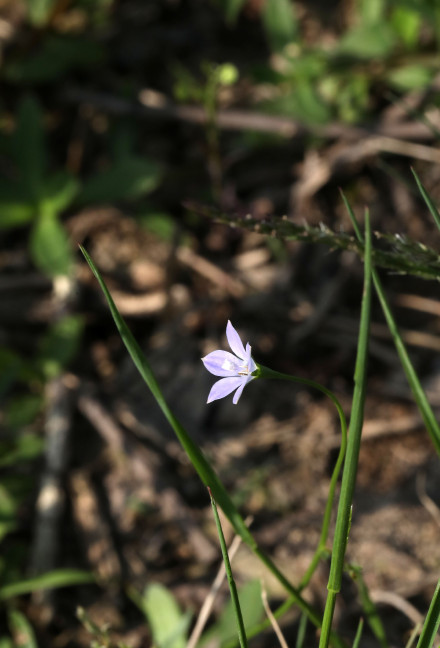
{"x": 232, "y": 587}
{"x": 343, "y": 519}
{"x": 265, "y": 372}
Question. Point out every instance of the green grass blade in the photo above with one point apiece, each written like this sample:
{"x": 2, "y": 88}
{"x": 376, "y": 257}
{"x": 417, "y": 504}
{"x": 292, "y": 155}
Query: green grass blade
{"x": 50, "y": 580}
{"x": 357, "y": 639}
{"x": 353, "y": 446}
{"x": 232, "y": 587}
{"x": 432, "y": 208}
{"x": 432, "y": 621}
{"x": 370, "y": 610}
{"x": 419, "y": 395}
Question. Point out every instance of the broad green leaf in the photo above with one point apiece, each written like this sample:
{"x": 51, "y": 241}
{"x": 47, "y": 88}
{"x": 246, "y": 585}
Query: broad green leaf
{"x": 29, "y": 147}
{"x": 410, "y": 77}
{"x": 128, "y": 179}
{"x": 59, "y": 345}
{"x": 53, "y": 58}
{"x": 49, "y": 246}
{"x": 49, "y": 580}
{"x": 168, "y": 624}
{"x": 368, "y": 41}
{"x": 5, "y": 642}
{"x": 280, "y": 23}
{"x": 21, "y": 630}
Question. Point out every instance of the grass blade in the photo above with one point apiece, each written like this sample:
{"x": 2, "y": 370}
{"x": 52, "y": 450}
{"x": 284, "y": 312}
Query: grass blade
{"x": 50, "y": 580}
{"x": 419, "y": 395}
{"x": 232, "y": 587}
{"x": 432, "y": 621}
{"x": 432, "y": 208}
{"x": 353, "y": 446}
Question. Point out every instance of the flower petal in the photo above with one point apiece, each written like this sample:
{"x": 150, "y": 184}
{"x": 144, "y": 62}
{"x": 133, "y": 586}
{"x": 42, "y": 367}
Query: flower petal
{"x": 222, "y": 363}
{"x": 249, "y": 360}
{"x": 239, "y": 391}
{"x": 234, "y": 341}
{"x": 224, "y": 387}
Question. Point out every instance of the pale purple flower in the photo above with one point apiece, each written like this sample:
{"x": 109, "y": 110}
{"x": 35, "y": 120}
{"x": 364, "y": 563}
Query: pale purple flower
{"x": 236, "y": 370}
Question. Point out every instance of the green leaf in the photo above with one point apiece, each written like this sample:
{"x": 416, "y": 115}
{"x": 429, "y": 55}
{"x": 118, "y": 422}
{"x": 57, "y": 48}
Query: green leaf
{"x": 280, "y": 24}
{"x": 24, "y": 448}
{"x": 50, "y": 247}
{"x": 168, "y": 624}
{"x": 303, "y": 103}
{"x": 21, "y": 630}
{"x": 22, "y": 410}
{"x": 10, "y": 367}
{"x": 58, "y": 192}
{"x": 372, "y": 11}
{"x": 368, "y": 41}
{"x": 252, "y": 609}
{"x": 15, "y": 213}
{"x": 129, "y": 178}
{"x": 407, "y": 25}
{"x": 59, "y": 345}
{"x": 50, "y": 580}
{"x": 410, "y": 77}
{"x": 427, "y": 198}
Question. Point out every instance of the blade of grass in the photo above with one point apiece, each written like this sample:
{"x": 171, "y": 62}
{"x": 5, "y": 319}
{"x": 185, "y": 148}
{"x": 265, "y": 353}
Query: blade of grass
{"x": 370, "y": 610}
{"x": 432, "y": 621}
{"x": 357, "y": 639}
{"x": 231, "y": 582}
{"x": 50, "y": 580}
{"x": 343, "y": 519}
{"x": 419, "y": 395}
{"x": 198, "y": 459}
{"x": 432, "y": 208}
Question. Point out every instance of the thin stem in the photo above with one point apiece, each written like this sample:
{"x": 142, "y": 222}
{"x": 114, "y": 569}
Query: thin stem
{"x": 265, "y": 372}
{"x": 343, "y": 519}
{"x": 232, "y": 587}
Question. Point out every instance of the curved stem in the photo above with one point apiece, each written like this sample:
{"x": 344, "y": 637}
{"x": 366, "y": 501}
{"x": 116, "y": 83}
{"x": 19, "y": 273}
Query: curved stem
{"x": 265, "y": 372}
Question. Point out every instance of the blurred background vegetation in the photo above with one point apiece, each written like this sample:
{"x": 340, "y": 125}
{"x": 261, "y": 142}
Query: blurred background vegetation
{"x": 129, "y": 126}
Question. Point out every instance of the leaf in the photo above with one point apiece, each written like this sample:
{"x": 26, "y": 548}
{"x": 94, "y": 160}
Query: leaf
{"x": 410, "y": 77}
{"x": 167, "y": 623}
{"x": 50, "y": 247}
{"x": 22, "y": 410}
{"x": 280, "y": 23}
{"x": 432, "y": 621}
{"x": 14, "y": 214}
{"x": 368, "y": 41}
{"x": 59, "y": 345}
{"x": 24, "y": 448}
{"x": 128, "y": 179}
{"x": 58, "y": 192}
{"x": 49, "y": 580}
{"x": 407, "y": 25}
{"x": 252, "y": 609}
{"x": 21, "y": 630}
